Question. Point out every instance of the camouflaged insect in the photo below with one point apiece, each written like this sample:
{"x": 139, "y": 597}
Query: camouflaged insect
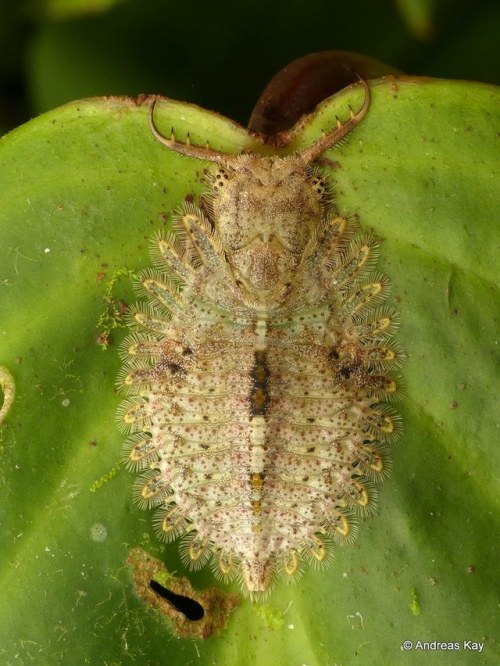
{"x": 260, "y": 382}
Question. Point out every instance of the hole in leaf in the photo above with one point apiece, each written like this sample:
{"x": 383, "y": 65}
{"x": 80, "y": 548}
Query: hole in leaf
{"x": 188, "y": 607}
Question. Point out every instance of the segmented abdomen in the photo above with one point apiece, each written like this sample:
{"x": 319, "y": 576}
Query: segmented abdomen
{"x": 259, "y": 439}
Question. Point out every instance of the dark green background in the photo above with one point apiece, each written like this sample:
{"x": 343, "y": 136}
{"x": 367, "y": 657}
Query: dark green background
{"x": 221, "y": 54}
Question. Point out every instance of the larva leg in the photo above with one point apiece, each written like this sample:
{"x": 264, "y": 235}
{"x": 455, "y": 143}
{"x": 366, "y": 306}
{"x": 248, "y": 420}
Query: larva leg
{"x": 8, "y": 387}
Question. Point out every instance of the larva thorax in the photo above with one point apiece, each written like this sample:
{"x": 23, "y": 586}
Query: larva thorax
{"x": 259, "y": 413}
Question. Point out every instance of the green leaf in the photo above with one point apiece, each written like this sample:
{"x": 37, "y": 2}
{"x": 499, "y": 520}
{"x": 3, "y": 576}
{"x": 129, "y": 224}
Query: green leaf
{"x": 83, "y": 189}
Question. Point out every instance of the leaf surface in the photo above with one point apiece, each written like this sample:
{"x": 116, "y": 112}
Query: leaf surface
{"x": 83, "y": 190}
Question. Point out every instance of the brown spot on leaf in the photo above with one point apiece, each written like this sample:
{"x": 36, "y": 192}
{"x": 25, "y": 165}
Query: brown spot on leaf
{"x": 216, "y": 605}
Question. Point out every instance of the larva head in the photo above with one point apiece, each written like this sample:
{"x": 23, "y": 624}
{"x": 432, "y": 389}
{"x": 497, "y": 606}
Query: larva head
{"x": 265, "y": 210}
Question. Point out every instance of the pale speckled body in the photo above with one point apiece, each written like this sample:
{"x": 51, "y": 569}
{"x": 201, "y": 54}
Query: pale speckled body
{"x": 260, "y": 384}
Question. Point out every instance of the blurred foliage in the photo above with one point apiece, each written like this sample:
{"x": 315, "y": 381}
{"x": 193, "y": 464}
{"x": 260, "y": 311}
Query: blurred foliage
{"x": 222, "y": 55}
{"x": 64, "y": 9}
{"x": 420, "y": 15}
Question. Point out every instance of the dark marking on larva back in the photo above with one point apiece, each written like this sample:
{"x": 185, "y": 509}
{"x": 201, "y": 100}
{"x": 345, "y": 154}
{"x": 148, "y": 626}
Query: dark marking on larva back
{"x": 259, "y": 393}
